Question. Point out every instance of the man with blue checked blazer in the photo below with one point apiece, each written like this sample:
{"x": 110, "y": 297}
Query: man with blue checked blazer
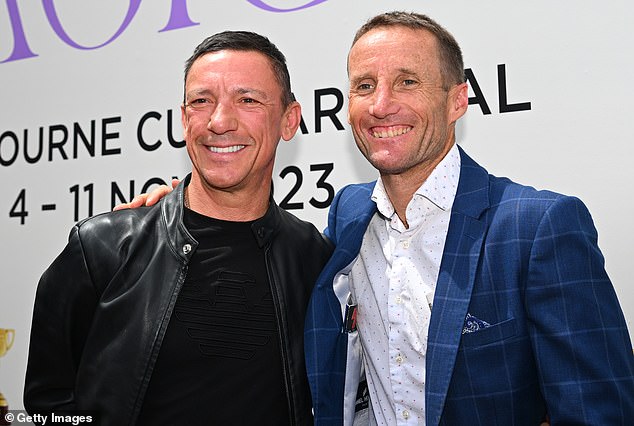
{"x": 454, "y": 297}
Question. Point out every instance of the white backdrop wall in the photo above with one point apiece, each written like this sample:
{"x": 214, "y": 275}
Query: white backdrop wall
{"x": 90, "y": 93}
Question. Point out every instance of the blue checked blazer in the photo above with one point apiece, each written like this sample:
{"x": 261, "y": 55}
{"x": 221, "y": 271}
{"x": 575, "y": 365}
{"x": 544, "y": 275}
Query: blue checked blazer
{"x": 527, "y": 263}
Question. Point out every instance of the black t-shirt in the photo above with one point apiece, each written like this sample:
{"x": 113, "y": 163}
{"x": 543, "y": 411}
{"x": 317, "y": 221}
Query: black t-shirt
{"x": 220, "y": 362}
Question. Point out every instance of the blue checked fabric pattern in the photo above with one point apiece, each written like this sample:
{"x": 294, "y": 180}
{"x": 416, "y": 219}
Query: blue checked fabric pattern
{"x": 526, "y": 263}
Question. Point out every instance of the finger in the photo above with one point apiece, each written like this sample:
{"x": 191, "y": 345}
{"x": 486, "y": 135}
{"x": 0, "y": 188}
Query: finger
{"x": 121, "y": 206}
{"x": 175, "y": 183}
{"x": 133, "y": 204}
{"x": 138, "y": 201}
{"x": 156, "y": 194}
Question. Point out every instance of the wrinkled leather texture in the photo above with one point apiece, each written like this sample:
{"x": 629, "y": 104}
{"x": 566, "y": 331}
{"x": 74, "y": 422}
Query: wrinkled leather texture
{"x": 104, "y": 304}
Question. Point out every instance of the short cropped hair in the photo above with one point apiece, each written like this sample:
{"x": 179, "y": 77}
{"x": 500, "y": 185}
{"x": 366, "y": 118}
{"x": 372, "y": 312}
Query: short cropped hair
{"x": 451, "y": 62}
{"x": 247, "y": 41}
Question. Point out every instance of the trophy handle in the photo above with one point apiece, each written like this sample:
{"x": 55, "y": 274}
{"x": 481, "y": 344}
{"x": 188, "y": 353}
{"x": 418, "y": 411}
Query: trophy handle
{"x": 10, "y": 332}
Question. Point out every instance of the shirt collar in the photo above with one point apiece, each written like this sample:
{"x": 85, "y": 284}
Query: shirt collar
{"x": 439, "y": 188}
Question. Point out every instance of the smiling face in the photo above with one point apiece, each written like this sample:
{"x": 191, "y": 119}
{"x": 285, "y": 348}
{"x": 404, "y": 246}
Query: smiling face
{"x": 401, "y": 111}
{"x": 233, "y": 120}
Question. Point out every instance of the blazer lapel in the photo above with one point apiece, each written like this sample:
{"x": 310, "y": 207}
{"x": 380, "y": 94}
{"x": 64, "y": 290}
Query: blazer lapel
{"x": 455, "y": 283}
{"x": 348, "y": 222}
{"x": 325, "y": 344}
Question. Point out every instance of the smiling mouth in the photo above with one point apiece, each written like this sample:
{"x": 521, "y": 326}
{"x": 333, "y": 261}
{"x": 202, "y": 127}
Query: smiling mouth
{"x": 228, "y": 149}
{"x": 389, "y": 132}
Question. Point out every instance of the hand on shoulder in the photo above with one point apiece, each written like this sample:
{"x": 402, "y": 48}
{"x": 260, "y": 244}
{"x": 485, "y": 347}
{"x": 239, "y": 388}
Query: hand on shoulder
{"x": 148, "y": 199}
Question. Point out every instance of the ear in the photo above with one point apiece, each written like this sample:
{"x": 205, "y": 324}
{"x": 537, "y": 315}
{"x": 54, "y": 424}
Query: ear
{"x": 458, "y": 102}
{"x": 291, "y": 120}
{"x": 184, "y": 119}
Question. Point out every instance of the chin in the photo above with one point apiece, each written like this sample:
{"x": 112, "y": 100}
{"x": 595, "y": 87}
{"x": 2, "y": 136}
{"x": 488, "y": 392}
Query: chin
{"x": 221, "y": 182}
{"x": 383, "y": 162}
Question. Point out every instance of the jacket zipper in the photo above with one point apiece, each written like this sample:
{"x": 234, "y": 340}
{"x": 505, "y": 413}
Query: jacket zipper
{"x": 280, "y": 335}
{"x": 157, "y": 345}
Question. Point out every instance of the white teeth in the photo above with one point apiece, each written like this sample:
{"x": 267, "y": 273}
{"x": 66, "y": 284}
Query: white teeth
{"x": 234, "y": 148}
{"x": 390, "y": 133}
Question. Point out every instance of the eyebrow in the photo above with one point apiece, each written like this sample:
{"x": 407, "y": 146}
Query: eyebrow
{"x": 250, "y": 90}
{"x": 401, "y": 71}
{"x": 197, "y": 92}
{"x": 407, "y": 71}
{"x": 238, "y": 90}
{"x": 362, "y": 77}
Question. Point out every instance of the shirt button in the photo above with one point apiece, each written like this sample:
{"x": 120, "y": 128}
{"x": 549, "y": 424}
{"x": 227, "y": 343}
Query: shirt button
{"x": 399, "y": 359}
{"x": 405, "y": 244}
{"x": 398, "y": 300}
{"x": 405, "y": 414}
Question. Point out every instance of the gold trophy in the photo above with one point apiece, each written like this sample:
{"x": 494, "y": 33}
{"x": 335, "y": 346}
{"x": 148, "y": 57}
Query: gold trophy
{"x": 6, "y": 341}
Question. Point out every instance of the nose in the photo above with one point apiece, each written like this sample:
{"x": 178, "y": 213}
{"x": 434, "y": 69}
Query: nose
{"x": 222, "y": 119}
{"x": 383, "y": 101}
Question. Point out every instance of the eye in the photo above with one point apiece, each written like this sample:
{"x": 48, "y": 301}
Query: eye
{"x": 409, "y": 82}
{"x": 364, "y": 87}
{"x": 248, "y": 101}
{"x": 199, "y": 103}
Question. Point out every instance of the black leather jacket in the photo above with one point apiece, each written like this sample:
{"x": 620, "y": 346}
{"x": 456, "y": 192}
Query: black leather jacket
{"x": 103, "y": 306}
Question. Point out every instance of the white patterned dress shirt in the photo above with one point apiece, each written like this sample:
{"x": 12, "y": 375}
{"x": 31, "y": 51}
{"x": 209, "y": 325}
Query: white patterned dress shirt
{"x": 393, "y": 282}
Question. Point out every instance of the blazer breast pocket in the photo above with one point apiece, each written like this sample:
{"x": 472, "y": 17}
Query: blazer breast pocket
{"x": 491, "y": 334}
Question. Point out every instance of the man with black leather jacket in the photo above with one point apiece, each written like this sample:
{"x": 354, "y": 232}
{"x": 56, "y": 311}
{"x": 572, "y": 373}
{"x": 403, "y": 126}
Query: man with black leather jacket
{"x": 190, "y": 311}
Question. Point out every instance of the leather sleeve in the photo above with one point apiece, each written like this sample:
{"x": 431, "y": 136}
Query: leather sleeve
{"x": 64, "y": 306}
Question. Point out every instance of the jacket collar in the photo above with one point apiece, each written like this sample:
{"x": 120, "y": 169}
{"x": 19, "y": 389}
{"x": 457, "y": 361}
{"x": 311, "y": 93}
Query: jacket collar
{"x": 264, "y": 228}
{"x": 173, "y": 207}
{"x": 472, "y": 196}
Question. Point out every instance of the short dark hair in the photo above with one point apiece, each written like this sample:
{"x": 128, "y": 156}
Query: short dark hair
{"x": 451, "y": 62}
{"x": 247, "y": 41}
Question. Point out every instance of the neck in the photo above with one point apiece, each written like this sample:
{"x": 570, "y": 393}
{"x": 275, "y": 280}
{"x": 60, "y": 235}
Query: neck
{"x": 235, "y": 206}
{"x": 401, "y": 187}
{"x": 400, "y": 190}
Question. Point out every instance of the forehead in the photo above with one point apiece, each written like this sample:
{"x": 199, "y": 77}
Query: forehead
{"x": 234, "y": 67}
{"x": 392, "y": 48}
